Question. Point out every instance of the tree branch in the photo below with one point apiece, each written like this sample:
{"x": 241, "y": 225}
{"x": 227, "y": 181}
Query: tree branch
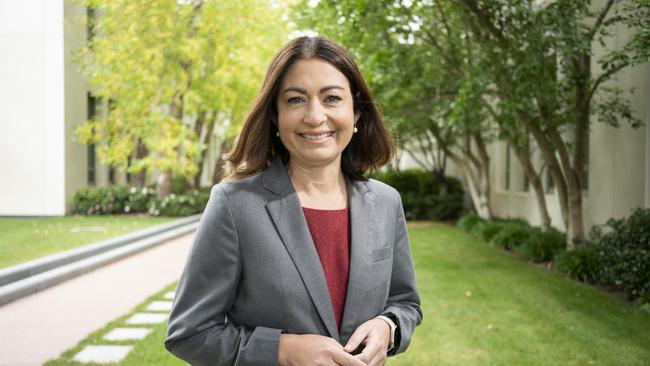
{"x": 604, "y": 77}
{"x": 601, "y": 18}
{"x": 484, "y": 19}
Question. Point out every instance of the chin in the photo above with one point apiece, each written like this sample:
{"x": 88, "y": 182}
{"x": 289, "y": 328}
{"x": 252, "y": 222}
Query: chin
{"x": 320, "y": 158}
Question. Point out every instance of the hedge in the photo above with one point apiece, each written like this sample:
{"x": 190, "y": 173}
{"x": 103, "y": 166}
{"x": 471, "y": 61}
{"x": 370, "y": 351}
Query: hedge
{"x": 422, "y": 196}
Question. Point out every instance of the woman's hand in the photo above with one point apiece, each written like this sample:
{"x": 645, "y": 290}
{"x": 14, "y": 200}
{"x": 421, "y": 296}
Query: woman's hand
{"x": 312, "y": 349}
{"x": 375, "y": 335}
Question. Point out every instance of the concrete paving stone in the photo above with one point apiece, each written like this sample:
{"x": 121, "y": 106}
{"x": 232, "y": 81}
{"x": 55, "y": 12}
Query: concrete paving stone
{"x": 102, "y": 354}
{"x": 160, "y": 306}
{"x": 127, "y": 334}
{"x": 147, "y": 318}
{"x": 170, "y": 295}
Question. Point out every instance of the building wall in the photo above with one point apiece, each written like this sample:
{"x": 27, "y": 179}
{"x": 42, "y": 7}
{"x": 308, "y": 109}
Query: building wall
{"x": 619, "y": 159}
{"x": 32, "y": 108}
{"x": 76, "y": 102}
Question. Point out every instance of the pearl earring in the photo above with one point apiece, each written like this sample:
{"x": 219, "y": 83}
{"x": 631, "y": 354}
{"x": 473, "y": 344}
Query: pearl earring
{"x": 355, "y": 129}
{"x": 277, "y": 133}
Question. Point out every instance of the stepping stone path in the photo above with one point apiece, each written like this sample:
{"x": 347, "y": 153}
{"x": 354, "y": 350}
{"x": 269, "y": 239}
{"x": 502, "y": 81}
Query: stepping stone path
{"x": 102, "y": 354}
{"x": 146, "y": 318}
{"x": 116, "y": 353}
{"x": 127, "y": 334}
{"x": 160, "y": 306}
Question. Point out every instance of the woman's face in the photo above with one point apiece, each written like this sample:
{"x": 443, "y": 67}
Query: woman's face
{"x": 315, "y": 112}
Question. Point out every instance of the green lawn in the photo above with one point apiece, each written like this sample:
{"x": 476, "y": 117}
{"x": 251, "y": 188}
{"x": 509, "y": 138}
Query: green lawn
{"x": 24, "y": 239}
{"x": 483, "y": 306}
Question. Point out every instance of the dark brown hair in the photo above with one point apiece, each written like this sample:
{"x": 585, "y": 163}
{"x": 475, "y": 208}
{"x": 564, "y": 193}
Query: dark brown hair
{"x": 257, "y": 145}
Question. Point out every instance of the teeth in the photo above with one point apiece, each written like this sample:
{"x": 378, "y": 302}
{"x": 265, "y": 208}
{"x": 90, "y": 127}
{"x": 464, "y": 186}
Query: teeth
{"x": 317, "y": 137}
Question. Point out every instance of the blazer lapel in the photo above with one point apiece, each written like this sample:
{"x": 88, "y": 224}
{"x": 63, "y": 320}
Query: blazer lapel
{"x": 286, "y": 213}
{"x": 361, "y": 204}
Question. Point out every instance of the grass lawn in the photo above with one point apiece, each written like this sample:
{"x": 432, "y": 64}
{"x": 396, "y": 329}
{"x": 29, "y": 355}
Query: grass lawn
{"x": 24, "y": 239}
{"x": 482, "y": 306}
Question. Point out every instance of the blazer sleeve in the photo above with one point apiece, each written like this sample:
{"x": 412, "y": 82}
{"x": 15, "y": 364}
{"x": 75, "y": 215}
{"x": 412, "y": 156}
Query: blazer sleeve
{"x": 403, "y": 296}
{"x": 199, "y": 331}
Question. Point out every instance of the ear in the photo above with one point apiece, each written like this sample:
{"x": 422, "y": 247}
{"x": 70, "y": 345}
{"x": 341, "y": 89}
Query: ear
{"x": 357, "y": 115}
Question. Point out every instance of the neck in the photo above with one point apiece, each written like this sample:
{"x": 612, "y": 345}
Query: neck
{"x": 321, "y": 179}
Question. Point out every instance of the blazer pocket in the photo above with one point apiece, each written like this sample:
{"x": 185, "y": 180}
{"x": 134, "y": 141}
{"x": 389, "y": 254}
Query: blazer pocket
{"x": 382, "y": 253}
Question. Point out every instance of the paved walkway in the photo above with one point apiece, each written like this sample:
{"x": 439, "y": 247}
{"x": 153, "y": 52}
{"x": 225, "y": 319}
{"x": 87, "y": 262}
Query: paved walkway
{"x": 40, "y": 327}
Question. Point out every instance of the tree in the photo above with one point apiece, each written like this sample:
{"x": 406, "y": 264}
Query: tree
{"x": 439, "y": 115}
{"x": 462, "y": 72}
{"x": 172, "y": 71}
{"x": 546, "y": 54}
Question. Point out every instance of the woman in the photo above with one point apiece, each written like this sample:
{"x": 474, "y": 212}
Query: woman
{"x": 299, "y": 259}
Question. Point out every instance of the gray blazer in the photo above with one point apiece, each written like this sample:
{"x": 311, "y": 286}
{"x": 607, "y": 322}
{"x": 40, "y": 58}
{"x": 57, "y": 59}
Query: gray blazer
{"x": 253, "y": 272}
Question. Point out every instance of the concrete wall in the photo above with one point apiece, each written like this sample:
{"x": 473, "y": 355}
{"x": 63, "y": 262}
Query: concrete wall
{"x": 32, "y": 112}
{"x": 42, "y": 100}
{"x": 76, "y": 102}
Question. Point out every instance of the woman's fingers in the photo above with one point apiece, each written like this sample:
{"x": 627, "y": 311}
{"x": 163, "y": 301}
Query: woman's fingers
{"x": 312, "y": 349}
{"x": 373, "y": 351}
{"x": 376, "y": 336}
{"x": 357, "y": 338}
{"x": 346, "y": 359}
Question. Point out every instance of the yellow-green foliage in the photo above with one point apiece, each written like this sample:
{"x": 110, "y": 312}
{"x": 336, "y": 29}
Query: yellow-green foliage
{"x": 164, "y": 63}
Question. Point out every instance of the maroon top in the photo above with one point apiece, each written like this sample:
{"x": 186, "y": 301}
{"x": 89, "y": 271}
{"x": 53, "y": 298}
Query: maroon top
{"x": 330, "y": 231}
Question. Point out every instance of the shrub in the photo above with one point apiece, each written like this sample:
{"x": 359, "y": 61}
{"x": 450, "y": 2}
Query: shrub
{"x": 514, "y": 220}
{"x": 100, "y": 200}
{"x": 512, "y": 234}
{"x": 542, "y": 246}
{"x": 179, "y": 184}
{"x": 422, "y": 197}
{"x": 583, "y": 264}
{"x": 139, "y": 199}
{"x": 114, "y": 199}
{"x": 469, "y": 221}
{"x": 488, "y": 229}
{"x": 624, "y": 247}
{"x": 180, "y": 204}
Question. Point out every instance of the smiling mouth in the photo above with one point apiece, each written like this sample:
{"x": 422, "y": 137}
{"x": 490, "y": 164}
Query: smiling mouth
{"x": 316, "y": 137}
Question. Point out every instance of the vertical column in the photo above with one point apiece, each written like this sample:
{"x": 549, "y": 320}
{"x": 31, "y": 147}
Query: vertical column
{"x": 54, "y": 108}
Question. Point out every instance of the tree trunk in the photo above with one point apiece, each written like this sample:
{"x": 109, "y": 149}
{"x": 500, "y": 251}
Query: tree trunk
{"x": 535, "y": 181}
{"x": 480, "y": 198}
{"x": 441, "y": 182}
{"x": 478, "y": 182}
{"x": 581, "y": 134}
{"x": 164, "y": 184}
{"x": 548, "y": 153}
{"x": 205, "y": 141}
{"x": 219, "y": 163}
{"x": 575, "y": 230}
{"x": 140, "y": 178}
{"x": 484, "y": 173}
{"x": 576, "y": 234}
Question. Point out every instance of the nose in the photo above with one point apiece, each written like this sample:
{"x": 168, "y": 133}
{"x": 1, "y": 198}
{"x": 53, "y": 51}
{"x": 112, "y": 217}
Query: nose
{"x": 314, "y": 114}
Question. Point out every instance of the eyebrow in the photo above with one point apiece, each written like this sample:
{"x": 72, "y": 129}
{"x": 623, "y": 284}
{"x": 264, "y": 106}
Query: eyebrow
{"x": 303, "y": 91}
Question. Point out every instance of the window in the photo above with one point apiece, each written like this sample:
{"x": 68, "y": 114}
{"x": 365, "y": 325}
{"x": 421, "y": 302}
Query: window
{"x": 584, "y": 177}
{"x": 507, "y": 187}
{"x": 91, "y": 168}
